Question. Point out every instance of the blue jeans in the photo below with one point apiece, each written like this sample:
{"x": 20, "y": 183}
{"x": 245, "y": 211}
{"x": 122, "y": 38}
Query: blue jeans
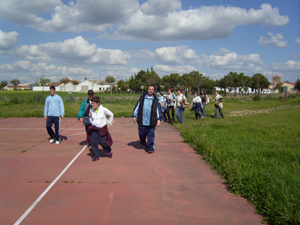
{"x": 181, "y": 110}
{"x": 216, "y": 111}
{"x": 197, "y": 110}
{"x": 149, "y": 133}
{"x": 203, "y": 109}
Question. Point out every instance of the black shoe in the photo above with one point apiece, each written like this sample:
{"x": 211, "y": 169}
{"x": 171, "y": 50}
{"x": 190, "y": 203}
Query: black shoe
{"x": 110, "y": 155}
{"x": 150, "y": 151}
{"x": 95, "y": 159}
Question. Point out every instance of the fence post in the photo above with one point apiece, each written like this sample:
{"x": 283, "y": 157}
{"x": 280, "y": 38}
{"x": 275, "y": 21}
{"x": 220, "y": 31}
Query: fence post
{"x": 284, "y": 96}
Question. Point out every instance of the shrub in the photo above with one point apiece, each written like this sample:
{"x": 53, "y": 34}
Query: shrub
{"x": 257, "y": 98}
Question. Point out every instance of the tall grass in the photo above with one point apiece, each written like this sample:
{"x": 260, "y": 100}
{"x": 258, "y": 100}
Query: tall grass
{"x": 258, "y": 155}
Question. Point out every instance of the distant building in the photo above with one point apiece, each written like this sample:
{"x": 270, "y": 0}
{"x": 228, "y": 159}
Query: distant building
{"x": 288, "y": 87}
{"x": 22, "y": 86}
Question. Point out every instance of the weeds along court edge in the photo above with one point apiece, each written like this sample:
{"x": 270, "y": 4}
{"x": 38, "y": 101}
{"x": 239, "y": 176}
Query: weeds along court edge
{"x": 257, "y": 155}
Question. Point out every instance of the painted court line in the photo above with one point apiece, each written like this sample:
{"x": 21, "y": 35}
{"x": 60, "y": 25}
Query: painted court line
{"x": 48, "y": 188}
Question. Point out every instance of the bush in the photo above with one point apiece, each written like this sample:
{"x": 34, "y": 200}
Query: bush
{"x": 257, "y": 98}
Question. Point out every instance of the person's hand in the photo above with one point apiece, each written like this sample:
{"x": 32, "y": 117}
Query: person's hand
{"x": 62, "y": 117}
{"x": 81, "y": 119}
{"x": 134, "y": 119}
{"x": 45, "y": 118}
{"x": 158, "y": 123}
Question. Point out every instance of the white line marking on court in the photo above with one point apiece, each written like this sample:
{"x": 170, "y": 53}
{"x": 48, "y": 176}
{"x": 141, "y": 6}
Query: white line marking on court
{"x": 48, "y": 188}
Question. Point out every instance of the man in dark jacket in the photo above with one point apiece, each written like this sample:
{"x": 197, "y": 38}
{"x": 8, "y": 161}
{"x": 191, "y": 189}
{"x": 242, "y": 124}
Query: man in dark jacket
{"x": 147, "y": 115}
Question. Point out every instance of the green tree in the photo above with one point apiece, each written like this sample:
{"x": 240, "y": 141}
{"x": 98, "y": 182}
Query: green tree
{"x": 75, "y": 82}
{"x": 44, "y": 81}
{"x": 186, "y": 81}
{"x": 198, "y": 79}
{"x": 15, "y": 82}
{"x": 259, "y": 81}
{"x": 234, "y": 80}
{"x": 3, "y": 84}
{"x": 110, "y": 79}
{"x": 244, "y": 81}
{"x": 64, "y": 80}
{"x": 225, "y": 83}
{"x": 297, "y": 85}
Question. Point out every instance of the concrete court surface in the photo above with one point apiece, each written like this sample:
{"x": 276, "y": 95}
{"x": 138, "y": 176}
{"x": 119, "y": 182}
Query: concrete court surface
{"x": 172, "y": 186}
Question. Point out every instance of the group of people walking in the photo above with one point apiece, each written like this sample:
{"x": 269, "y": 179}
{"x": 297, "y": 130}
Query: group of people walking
{"x": 148, "y": 113}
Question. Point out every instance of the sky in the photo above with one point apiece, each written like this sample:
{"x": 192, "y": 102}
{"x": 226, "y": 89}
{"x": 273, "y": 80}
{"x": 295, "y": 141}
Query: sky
{"x": 100, "y": 38}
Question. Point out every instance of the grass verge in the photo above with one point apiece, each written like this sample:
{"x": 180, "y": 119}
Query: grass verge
{"x": 257, "y": 154}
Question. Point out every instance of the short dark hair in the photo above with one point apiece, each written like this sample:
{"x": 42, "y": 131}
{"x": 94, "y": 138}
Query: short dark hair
{"x": 151, "y": 85}
{"x": 196, "y": 92}
{"x": 52, "y": 87}
{"x": 178, "y": 89}
{"x": 95, "y": 99}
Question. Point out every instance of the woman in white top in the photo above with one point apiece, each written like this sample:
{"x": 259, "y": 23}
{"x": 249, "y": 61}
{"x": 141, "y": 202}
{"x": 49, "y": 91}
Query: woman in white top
{"x": 197, "y": 105}
{"x": 179, "y": 109}
{"x": 97, "y": 130}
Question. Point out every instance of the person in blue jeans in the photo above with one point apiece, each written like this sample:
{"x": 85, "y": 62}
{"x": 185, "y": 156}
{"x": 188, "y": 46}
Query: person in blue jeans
{"x": 54, "y": 109}
{"x": 147, "y": 115}
{"x": 180, "y": 98}
{"x": 218, "y": 105}
{"x": 197, "y": 105}
{"x": 204, "y": 99}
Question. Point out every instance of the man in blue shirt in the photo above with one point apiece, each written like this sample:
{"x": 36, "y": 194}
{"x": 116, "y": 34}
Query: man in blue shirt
{"x": 54, "y": 109}
{"x": 147, "y": 115}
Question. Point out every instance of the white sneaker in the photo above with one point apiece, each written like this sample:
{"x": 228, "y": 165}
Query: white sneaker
{"x": 57, "y": 142}
{"x": 51, "y": 141}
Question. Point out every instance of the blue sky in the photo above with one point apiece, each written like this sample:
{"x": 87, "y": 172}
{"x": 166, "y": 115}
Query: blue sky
{"x": 118, "y": 38}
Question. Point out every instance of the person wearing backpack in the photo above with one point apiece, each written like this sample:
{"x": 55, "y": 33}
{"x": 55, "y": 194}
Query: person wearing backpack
{"x": 181, "y": 104}
{"x": 218, "y": 105}
{"x": 84, "y": 110}
{"x": 171, "y": 97}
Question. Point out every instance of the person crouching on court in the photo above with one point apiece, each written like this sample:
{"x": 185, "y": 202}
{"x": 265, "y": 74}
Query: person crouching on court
{"x": 97, "y": 131}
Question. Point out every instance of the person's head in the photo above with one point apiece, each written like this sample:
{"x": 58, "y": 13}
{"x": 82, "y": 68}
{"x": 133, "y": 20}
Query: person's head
{"x": 52, "y": 90}
{"x": 159, "y": 94}
{"x": 202, "y": 91}
{"x": 95, "y": 102}
{"x": 169, "y": 90}
{"x": 150, "y": 90}
{"x": 178, "y": 91}
{"x": 90, "y": 94}
{"x": 165, "y": 97}
{"x": 195, "y": 93}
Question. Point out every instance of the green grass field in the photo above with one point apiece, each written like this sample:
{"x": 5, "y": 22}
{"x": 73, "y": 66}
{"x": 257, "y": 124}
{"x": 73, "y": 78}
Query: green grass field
{"x": 255, "y": 148}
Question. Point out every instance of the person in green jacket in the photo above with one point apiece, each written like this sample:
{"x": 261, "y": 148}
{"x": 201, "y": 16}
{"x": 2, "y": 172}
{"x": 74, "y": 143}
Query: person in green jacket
{"x": 85, "y": 107}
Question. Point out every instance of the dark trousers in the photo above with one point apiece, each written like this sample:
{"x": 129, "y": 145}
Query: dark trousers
{"x": 168, "y": 112}
{"x": 56, "y": 121}
{"x": 96, "y": 139}
{"x": 197, "y": 111}
{"x": 216, "y": 111}
{"x": 149, "y": 133}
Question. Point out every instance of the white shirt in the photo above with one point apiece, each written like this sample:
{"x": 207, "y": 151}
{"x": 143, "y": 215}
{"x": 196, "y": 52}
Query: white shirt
{"x": 197, "y": 99}
{"x": 99, "y": 119}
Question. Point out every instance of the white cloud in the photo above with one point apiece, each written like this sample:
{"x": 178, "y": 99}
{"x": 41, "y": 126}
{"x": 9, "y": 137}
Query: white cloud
{"x": 159, "y": 7}
{"x": 203, "y": 23}
{"x": 154, "y": 20}
{"x": 118, "y": 71}
{"x": 28, "y": 71}
{"x": 286, "y": 66}
{"x": 297, "y": 41}
{"x": 8, "y": 40}
{"x": 143, "y": 54}
{"x": 276, "y": 40}
{"x": 175, "y": 55}
{"x": 72, "y": 51}
{"x": 165, "y": 69}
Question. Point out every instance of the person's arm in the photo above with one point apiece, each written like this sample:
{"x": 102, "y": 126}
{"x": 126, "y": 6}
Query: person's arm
{"x": 109, "y": 115}
{"x": 46, "y": 109}
{"x": 62, "y": 108}
{"x": 135, "y": 112}
{"x": 159, "y": 117}
{"x": 81, "y": 110}
{"x": 191, "y": 103}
